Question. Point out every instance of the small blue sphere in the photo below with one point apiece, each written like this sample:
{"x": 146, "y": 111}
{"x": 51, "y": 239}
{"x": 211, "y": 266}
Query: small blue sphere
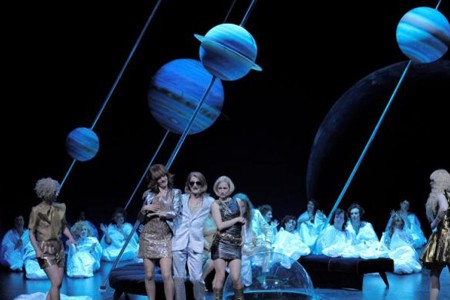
{"x": 423, "y": 34}
{"x": 82, "y": 144}
{"x": 228, "y": 51}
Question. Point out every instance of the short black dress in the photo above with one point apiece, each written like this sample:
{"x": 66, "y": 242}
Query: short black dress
{"x": 227, "y": 243}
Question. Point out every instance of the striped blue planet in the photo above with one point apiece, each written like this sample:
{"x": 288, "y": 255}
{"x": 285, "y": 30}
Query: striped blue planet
{"x": 82, "y": 144}
{"x": 175, "y": 91}
{"x": 423, "y": 34}
{"x": 228, "y": 51}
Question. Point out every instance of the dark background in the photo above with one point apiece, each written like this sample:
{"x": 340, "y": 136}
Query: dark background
{"x": 62, "y": 59}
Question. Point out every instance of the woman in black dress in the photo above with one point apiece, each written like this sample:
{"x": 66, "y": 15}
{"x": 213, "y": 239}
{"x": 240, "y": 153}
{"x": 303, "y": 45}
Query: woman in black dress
{"x": 227, "y": 244}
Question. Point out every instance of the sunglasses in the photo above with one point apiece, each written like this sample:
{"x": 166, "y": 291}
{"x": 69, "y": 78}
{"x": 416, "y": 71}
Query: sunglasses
{"x": 192, "y": 183}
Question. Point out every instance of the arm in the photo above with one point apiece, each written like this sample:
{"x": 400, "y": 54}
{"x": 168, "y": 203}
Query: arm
{"x": 443, "y": 206}
{"x": 34, "y": 243}
{"x": 68, "y": 234}
{"x": 218, "y": 218}
{"x": 106, "y": 236}
{"x": 149, "y": 208}
{"x": 175, "y": 206}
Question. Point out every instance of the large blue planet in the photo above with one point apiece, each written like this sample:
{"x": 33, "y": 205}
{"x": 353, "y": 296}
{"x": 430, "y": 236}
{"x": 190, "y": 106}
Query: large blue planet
{"x": 175, "y": 91}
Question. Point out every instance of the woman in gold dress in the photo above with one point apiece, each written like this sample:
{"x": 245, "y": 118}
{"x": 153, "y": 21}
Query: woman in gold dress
{"x": 161, "y": 204}
{"x": 436, "y": 255}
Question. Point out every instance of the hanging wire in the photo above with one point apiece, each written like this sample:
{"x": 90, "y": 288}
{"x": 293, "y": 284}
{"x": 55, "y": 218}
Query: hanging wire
{"x": 116, "y": 82}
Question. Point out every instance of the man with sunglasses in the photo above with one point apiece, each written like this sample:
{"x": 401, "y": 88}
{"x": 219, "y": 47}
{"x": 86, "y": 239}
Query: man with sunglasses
{"x": 187, "y": 242}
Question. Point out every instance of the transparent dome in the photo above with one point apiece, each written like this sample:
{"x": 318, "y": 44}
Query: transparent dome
{"x": 272, "y": 276}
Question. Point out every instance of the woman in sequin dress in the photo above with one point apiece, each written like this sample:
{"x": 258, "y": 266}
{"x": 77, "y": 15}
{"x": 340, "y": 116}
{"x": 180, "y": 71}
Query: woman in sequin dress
{"x": 436, "y": 254}
{"x": 227, "y": 244}
{"x": 161, "y": 205}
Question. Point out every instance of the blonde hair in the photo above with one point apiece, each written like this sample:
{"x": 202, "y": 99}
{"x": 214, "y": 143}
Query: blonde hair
{"x": 46, "y": 188}
{"x": 78, "y": 226}
{"x": 440, "y": 184}
{"x": 226, "y": 180}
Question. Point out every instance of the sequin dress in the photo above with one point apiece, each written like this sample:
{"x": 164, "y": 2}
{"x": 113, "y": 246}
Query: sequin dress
{"x": 227, "y": 243}
{"x": 437, "y": 249}
{"x": 155, "y": 240}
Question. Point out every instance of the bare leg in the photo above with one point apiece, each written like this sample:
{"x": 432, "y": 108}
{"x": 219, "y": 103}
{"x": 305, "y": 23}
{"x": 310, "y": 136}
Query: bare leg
{"x": 235, "y": 273}
{"x": 55, "y": 274}
{"x": 435, "y": 284}
{"x": 166, "y": 272}
{"x": 219, "y": 276}
{"x": 207, "y": 268}
{"x": 149, "y": 279}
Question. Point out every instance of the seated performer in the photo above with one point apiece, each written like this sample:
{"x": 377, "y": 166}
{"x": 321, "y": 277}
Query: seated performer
{"x": 13, "y": 245}
{"x": 310, "y": 223}
{"x": 84, "y": 259}
{"x": 115, "y": 235}
{"x": 335, "y": 239}
{"x": 398, "y": 242}
{"x": 412, "y": 224}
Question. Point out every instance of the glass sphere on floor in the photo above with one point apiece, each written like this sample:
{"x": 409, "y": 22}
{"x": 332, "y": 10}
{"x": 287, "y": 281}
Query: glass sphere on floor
{"x": 269, "y": 275}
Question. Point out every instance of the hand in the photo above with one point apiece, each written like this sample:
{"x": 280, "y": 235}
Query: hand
{"x": 274, "y": 223}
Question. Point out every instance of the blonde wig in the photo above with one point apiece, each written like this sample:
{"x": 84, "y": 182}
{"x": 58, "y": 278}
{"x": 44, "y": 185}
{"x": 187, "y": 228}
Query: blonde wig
{"x": 226, "y": 180}
{"x": 46, "y": 188}
{"x": 440, "y": 184}
{"x": 78, "y": 226}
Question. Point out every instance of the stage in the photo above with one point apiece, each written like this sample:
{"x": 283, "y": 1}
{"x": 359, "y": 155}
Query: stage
{"x": 407, "y": 287}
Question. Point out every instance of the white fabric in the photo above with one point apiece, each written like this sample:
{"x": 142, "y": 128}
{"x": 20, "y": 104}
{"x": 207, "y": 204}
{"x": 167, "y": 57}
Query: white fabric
{"x": 289, "y": 244}
{"x": 10, "y": 255}
{"x": 399, "y": 248}
{"x": 118, "y": 238}
{"x": 333, "y": 242}
{"x": 309, "y": 231}
{"x": 365, "y": 242}
{"x": 84, "y": 259}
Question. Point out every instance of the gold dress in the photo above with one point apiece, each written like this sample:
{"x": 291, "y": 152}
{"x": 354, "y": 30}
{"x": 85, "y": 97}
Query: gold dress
{"x": 48, "y": 221}
{"x": 155, "y": 240}
{"x": 437, "y": 249}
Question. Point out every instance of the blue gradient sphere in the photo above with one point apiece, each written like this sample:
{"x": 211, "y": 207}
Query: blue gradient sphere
{"x": 423, "y": 34}
{"x": 82, "y": 144}
{"x": 176, "y": 90}
{"x": 228, "y": 51}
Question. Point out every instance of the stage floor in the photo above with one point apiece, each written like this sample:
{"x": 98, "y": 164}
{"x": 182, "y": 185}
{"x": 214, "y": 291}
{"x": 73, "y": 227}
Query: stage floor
{"x": 405, "y": 287}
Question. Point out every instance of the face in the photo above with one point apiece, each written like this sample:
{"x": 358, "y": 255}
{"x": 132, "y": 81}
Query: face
{"x": 223, "y": 190}
{"x": 84, "y": 231}
{"x": 339, "y": 220}
{"x": 19, "y": 221}
{"x": 310, "y": 206}
{"x": 195, "y": 185}
{"x": 404, "y": 205}
{"x": 268, "y": 216}
{"x": 398, "y": 223}
{"x": 354, "y": 214}
{"x": 163, "y": 181}
{"x": 290, "y": 225}
{"x": 118, "y": 218}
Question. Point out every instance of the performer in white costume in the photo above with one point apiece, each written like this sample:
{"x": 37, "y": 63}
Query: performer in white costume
{"x": 84, "y": 259}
